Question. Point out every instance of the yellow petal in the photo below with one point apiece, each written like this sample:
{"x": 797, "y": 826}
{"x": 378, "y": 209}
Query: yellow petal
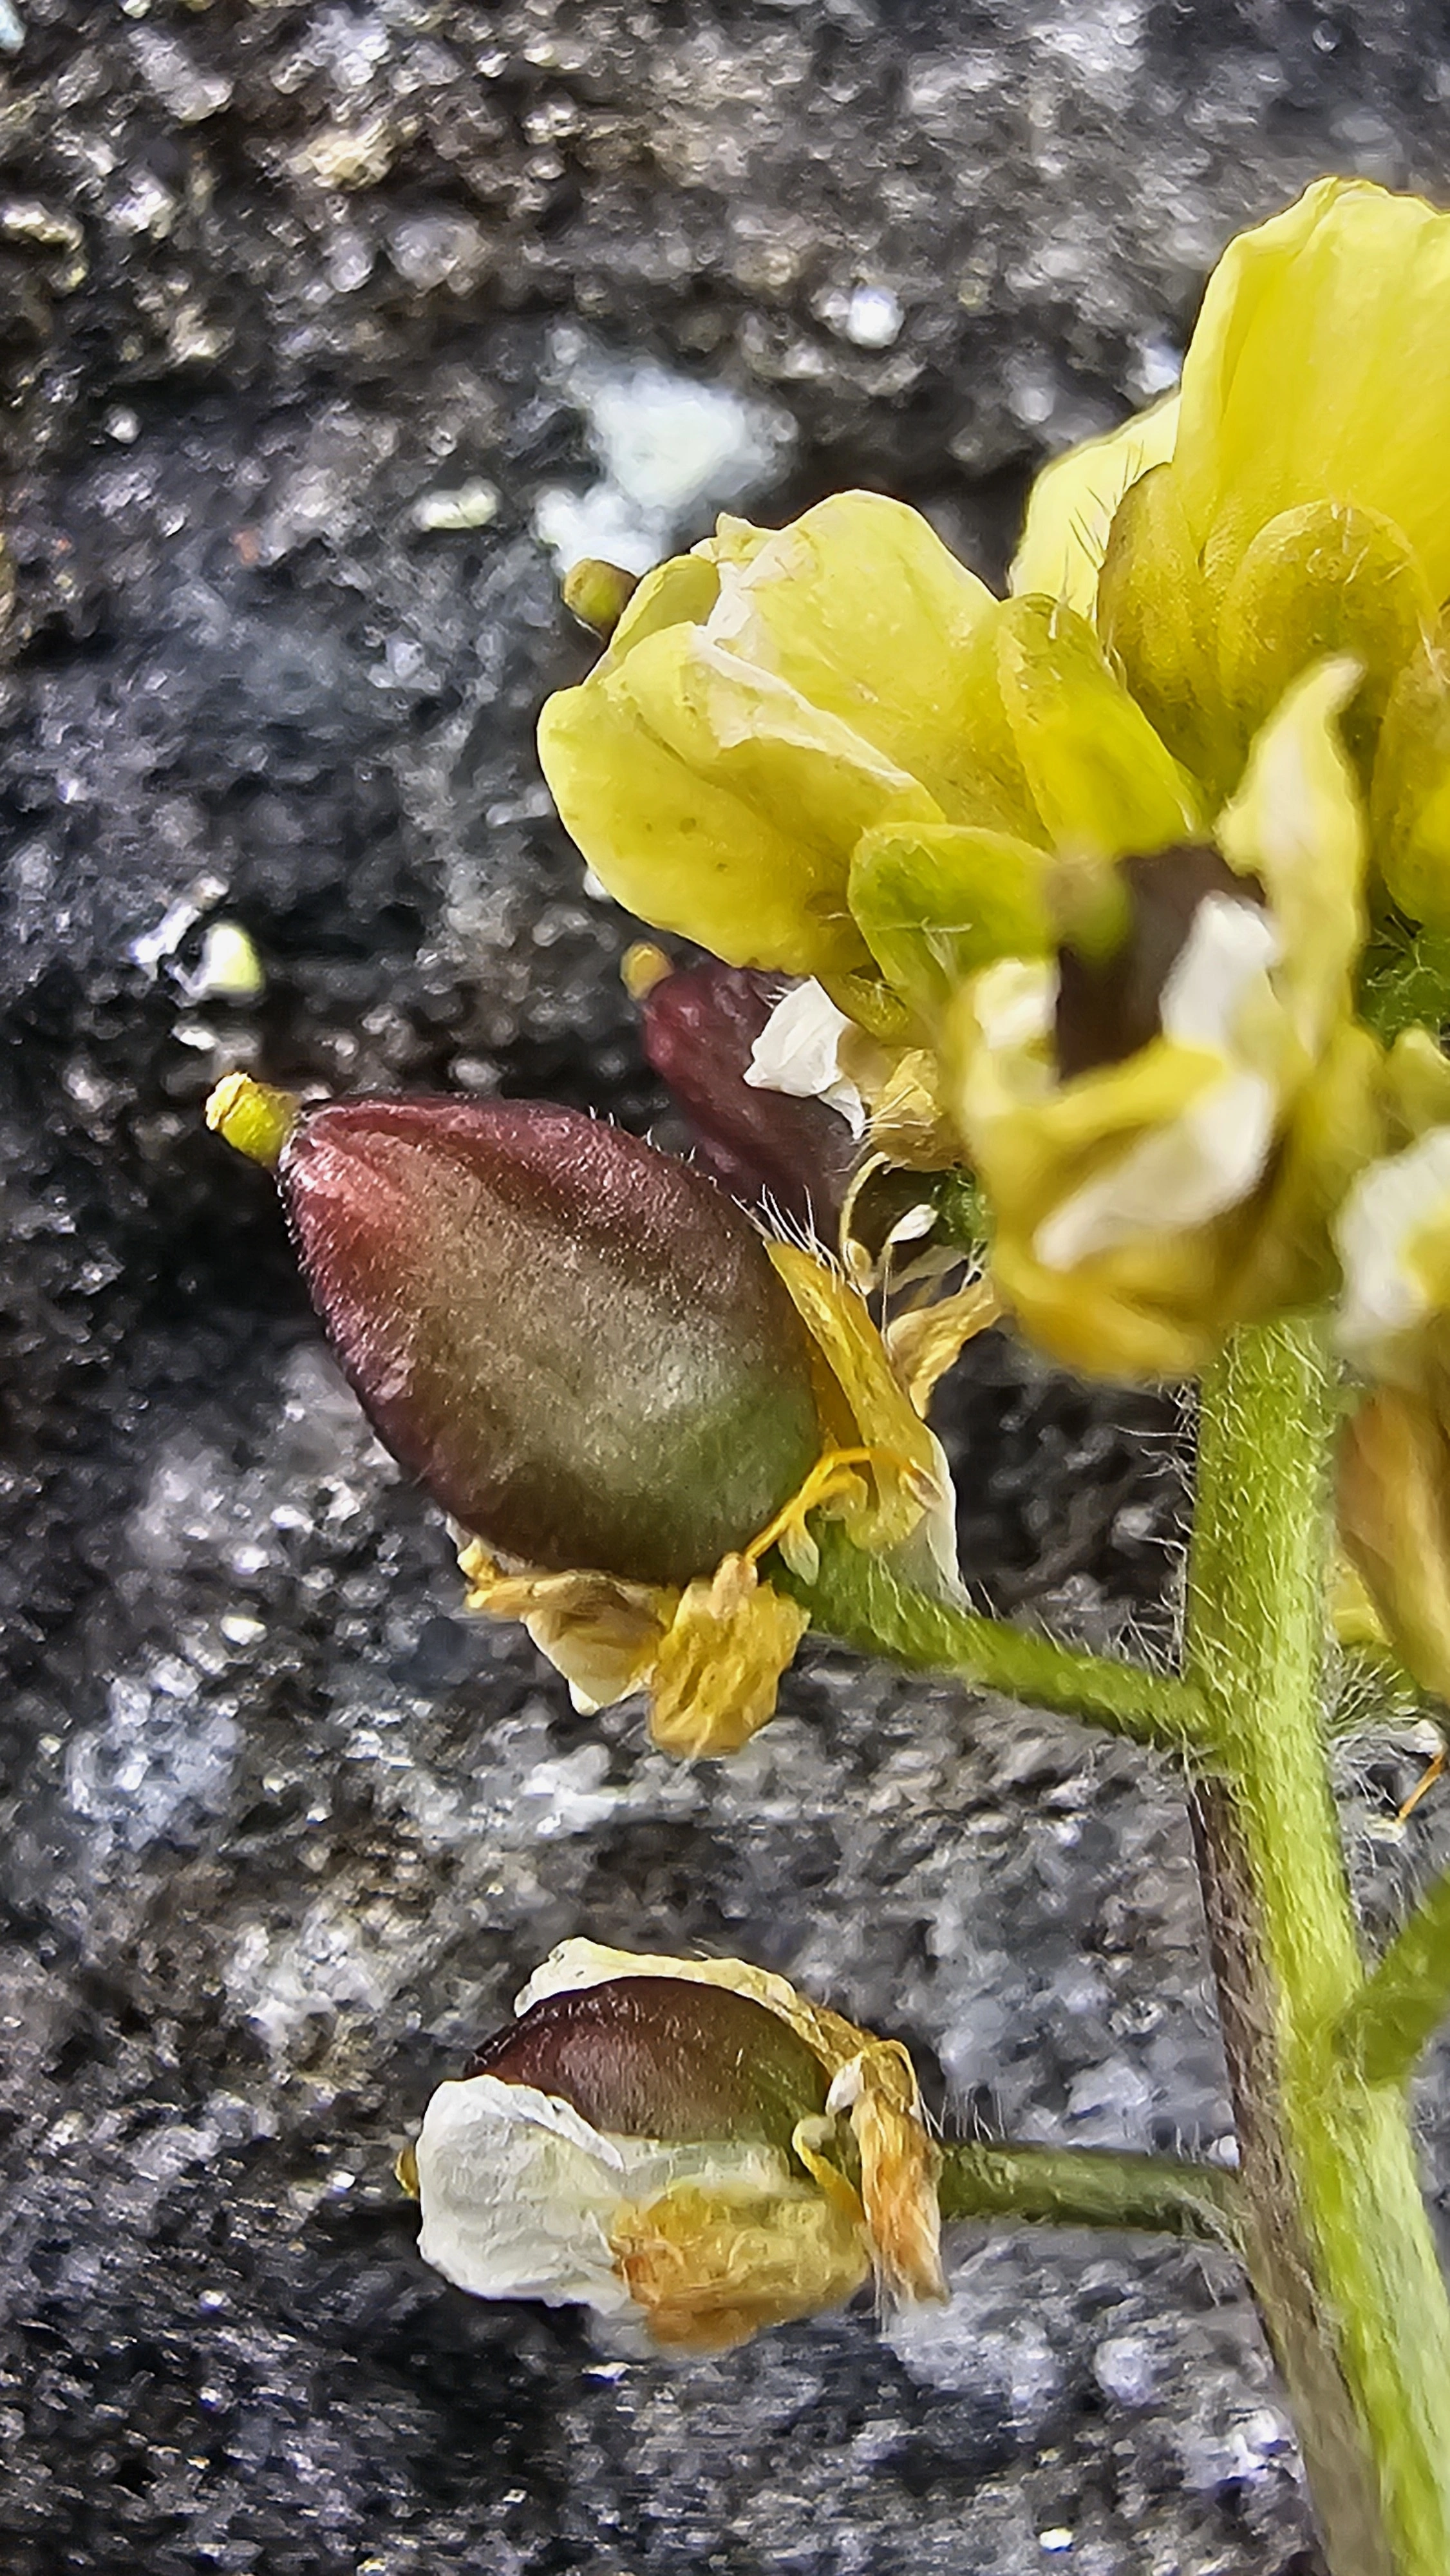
{"x": 714, "y": 801}
{"x": 1335, "y": 1127}
{"x": 1154, "y": 618}
{"x": 1410, "y": 790}
{"x": 1394, "y": 1520}
{"x": 1071, "y": 506}
{"x": 720, "y": 1661}
{"x": 603, "y": 1635}
{"x": 935, "y": 901}
{"x": 1325, "y": 578}
{"x": 1318, "y": 371}
{"x": 1296, "y": 824}
{"x": 681, "y": 592}
{"x": 1415, "y": 1086}
{"x": 710, "y": 2268}
{"x": 1099, "y": 776}
{"x": 860, "y": 607}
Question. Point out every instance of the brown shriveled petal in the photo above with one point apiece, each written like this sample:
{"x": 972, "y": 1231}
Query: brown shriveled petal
{"x": 700, "y": 1025}
{"x": 1108, "y": 999}
{"x": 711, "y": 2268}
{"x": 663, "y": 2057}
{"x": 577, "y": 1343}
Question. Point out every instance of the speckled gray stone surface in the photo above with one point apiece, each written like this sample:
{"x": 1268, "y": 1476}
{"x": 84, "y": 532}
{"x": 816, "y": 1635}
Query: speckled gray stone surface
{"x": 312, "y": 315}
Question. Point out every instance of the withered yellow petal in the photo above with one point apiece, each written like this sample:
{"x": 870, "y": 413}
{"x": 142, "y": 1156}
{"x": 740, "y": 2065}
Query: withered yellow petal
{"x": 719, "y": 1663}
{"x": 602, "y": 1634}
{"x": 710, "y": 2268}
{"x": 905, "y": 1467}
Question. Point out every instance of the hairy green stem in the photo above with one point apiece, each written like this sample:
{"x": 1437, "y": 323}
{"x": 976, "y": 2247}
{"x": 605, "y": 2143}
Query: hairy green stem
{"x": 857, "y": 1598}
{"x": 1089, "y": 2187}
{"x": 1336, "y": 2234}
{"x": 1399, "y": 2011}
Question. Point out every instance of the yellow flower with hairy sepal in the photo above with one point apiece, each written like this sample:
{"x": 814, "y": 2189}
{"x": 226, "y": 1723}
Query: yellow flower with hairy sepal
{"x": 1290, "y": 502}
{"x": 762, "y": 703}
{"x": 709, "y": 1655}
{"x": 1163, "y": 1129}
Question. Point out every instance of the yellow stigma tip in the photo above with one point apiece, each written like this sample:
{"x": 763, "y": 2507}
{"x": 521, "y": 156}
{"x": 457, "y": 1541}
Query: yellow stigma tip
{"x": 253, "y": 1118}
{"x": 599, "y": 593}
{"x": 642, "y": 967}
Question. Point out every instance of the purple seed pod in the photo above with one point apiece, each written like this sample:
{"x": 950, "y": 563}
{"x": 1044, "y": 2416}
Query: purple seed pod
{"x": 578, "y": 1344}
{"x": 700, "y": 1025}
{"x": 663, "y": 2057}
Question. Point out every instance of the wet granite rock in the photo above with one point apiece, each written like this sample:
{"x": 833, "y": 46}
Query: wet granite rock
{"x": 313, "y": 315}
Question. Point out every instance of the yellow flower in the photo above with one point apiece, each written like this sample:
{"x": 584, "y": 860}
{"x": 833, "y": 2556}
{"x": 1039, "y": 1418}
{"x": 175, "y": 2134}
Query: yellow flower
{"x": 1289, "y": 503}
{"x": 1164, "y": 1127}
{"x": 1223, "y": 635}
{"x": 687, "y": 2144}
{"x": 1393, "y": 1239}
{"x": 779, "y": 717}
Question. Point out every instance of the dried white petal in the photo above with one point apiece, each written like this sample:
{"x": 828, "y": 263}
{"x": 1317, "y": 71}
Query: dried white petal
{"x": 519, "y": 2195}
{"x": 798, "y": 1053}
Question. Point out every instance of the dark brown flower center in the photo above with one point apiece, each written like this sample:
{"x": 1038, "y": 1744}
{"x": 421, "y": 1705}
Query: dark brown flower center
{"x": 1108, "y": 1006}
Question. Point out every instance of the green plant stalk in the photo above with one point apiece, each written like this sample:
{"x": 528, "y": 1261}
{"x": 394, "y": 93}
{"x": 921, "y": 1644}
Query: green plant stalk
{"x": 1394, "y": 2016}
{"x": 857, "y": 1598}
{"x": 1088, "y": 2187}
{"x": 1336, "y": 2234}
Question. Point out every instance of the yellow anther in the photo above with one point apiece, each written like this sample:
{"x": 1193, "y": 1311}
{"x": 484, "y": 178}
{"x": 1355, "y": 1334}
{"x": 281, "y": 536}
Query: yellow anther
{"x": 807, "y": 2139}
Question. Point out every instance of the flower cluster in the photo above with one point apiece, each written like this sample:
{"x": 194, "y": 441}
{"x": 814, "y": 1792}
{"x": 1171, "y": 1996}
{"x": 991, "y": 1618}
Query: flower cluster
{"x": 1098, "y": 866}
{"x": 1107, "y": 918}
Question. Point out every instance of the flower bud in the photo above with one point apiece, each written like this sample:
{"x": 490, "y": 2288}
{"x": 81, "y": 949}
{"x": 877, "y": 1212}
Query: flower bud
{"x": 577, "y": 1343}
{"x": 701, "y": 1027}
{"x": 689, "y": 2144}
{"x": 663, "y": 2057}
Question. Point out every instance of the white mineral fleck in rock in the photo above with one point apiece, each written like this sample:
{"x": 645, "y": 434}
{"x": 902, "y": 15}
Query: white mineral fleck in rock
{"x": 673, "y": 451}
